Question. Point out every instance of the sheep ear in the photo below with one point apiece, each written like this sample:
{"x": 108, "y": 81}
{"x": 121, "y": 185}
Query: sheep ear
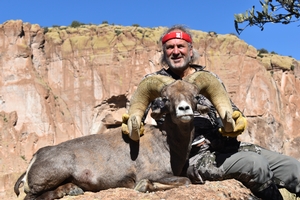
{"x": 157, "y": 114}
{"x": 202, "y": 109}
{"x": 197, "y": 97}
{"x": 158, "y": 107}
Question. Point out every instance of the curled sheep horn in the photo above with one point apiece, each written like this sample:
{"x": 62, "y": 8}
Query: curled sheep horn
{"x": 212, "y": 89}
{"x": 148, "y": 89}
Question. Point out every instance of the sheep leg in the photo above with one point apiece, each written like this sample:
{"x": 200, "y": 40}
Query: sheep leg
{"x": 63, "y": 190}
{"x": 146, "y": 185}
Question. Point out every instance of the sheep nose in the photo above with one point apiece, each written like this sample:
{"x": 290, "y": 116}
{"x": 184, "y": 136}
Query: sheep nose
{"x": 184, "y": 108}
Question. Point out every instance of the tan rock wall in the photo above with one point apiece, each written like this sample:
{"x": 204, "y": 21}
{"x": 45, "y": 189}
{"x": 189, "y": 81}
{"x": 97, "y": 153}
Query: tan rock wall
{"x": 71, "y": 82}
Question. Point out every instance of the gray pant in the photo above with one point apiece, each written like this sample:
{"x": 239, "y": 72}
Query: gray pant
{"x": 253, "y": 166}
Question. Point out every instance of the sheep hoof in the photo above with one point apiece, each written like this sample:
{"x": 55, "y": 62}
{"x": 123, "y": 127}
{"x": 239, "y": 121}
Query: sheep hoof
{"x": 144, "y": 185}
{"x": 75, "y": 191}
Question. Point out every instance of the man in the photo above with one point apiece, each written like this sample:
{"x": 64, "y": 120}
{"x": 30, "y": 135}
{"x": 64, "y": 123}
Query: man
{"x": 216, "y": 154}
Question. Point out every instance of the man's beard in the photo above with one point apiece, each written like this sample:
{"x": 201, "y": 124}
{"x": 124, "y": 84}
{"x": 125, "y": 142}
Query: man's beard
{"x": 184, "y": 65}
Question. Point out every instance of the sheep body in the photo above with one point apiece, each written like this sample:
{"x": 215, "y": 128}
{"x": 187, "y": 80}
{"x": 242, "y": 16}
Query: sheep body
{"x": 98, "y": 162}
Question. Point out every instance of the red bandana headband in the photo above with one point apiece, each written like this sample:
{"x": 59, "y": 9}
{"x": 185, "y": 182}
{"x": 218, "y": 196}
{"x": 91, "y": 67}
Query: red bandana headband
{"x": 176, "y": 35}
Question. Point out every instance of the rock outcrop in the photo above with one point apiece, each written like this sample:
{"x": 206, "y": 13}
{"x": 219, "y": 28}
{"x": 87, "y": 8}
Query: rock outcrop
{"x": 61, "y": 83}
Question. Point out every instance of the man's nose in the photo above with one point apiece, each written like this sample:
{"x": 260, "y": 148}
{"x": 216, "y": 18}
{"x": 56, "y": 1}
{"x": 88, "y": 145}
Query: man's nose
{"x": 176, "y": 50}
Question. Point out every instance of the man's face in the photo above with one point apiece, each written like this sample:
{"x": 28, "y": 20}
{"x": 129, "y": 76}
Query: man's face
{"x": 178, "y": 54}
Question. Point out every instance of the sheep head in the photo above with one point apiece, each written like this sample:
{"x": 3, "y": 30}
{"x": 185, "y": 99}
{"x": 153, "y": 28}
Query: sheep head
{"x": 180, "y": 100}
{"x": 153, "y": 86}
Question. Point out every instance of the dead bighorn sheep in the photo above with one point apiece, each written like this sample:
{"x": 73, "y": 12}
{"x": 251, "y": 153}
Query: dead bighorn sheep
{"x": 110, "y": 160}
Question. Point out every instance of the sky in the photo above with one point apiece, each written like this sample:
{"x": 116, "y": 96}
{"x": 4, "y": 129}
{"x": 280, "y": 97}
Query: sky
{"x": 212, "y": 15}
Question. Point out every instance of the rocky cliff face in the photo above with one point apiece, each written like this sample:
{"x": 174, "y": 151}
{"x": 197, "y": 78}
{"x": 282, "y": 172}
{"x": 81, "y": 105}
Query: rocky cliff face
{"x": 71, "y": 82}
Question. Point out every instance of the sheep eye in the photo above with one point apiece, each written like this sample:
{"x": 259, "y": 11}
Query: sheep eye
{"x": 165, "y": 99}
{"x": 197, "y": 97}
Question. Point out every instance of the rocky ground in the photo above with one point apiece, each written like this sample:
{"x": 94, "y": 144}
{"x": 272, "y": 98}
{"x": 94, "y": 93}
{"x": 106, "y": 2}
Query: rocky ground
{"x": 216, "y": 190}
{"x": 229, "y": 189}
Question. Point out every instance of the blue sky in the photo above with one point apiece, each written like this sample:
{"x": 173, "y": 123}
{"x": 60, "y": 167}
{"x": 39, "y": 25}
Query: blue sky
{"x": 212, "y": 15}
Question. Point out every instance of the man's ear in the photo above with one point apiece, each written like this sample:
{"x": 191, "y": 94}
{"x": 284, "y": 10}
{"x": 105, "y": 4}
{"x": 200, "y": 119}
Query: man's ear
{"x": 191, "y": 51}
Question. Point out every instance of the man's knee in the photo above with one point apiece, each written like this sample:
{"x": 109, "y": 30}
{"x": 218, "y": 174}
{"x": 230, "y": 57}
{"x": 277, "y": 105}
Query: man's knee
{"x": 248, "y": 167}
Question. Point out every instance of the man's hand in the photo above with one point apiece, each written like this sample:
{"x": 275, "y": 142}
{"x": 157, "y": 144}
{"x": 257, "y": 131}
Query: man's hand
{"x": 240, "y": 125}
{"x": 125, "y": 130}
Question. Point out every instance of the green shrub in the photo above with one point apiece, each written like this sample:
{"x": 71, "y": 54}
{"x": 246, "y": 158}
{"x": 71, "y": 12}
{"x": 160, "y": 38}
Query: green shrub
{"x": 118, "y": 32}
{"x": 76, "y": 24}
{"x": 273, "y": 52}
{"x": 262, "y": 50}
{"x": 292, "y": 67}
{"x": 46, "y": 29}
